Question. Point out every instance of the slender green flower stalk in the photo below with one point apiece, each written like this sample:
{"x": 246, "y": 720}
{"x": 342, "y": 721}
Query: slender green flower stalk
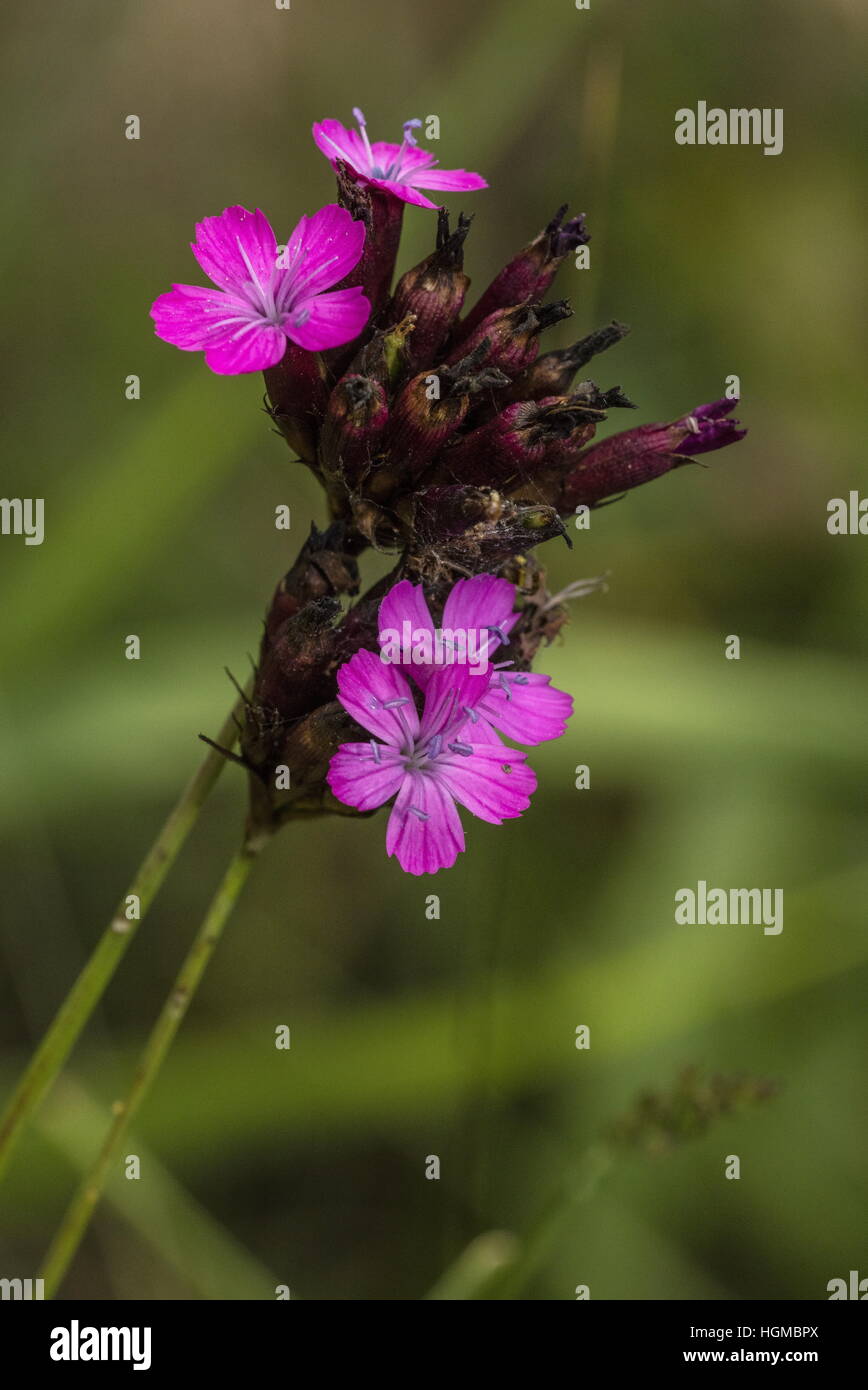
{"x": 577, "y": 1187}
{"x": 77, "y": 1218}
{"x": 97, "y": 974}
{"x": 655, "y": 1124}
{"x": 488, "y": 1255}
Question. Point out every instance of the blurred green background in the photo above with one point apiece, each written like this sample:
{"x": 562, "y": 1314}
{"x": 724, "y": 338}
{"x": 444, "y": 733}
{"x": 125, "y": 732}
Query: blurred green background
{"x": 454, "y": 1037}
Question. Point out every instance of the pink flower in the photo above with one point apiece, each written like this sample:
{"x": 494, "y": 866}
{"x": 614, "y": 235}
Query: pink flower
{"x": 453, "y": 753}
{"x": 399, "y": 169}
{"x": 522, "y": 705}
{"x": 264, "y": 297}
{"x": 424, "y": 763}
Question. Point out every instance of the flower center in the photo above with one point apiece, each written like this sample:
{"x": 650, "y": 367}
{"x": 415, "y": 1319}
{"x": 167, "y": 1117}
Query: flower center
{"x": 393, "y": 170}
{"x": 259, "y": 293}
{"x": 420, "y": 752}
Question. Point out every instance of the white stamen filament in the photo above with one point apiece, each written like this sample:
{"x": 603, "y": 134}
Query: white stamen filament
{"x": 363, "y": 129}
{"x": 293, "y": 285}
{"x": 252, "y": 321}
{"x": 265, "y": 293}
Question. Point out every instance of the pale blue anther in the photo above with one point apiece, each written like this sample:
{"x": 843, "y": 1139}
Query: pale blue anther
{"x": 435, "y": 745}
{"x": 375, "y": 749}
{"x": 463, "y": 748}
{"x": 363, "y": 127}
{"x": 394, "y": 704}
{"x": 422, "y": 815}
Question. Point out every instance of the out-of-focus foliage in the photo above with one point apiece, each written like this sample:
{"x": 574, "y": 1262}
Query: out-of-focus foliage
{"x": 454, "y": 1037}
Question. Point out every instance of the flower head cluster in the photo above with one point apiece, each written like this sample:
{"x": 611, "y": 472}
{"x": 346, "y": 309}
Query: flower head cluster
{"x": 442, "y": 434}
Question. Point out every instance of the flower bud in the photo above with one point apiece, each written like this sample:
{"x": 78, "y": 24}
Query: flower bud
{"x": 520, "y": 441}
{"x": 322, "y": 569}
{"x": 708, "y": 428}
{"x": 588, "y": 406}
{"x": 292, "y": 674}
{"x": 511, "y": 335}
{"x": 297, "y": 394}
{"x": 430, "y": 409}
{"x": 305, "y": 749}
{"x": 382, "y": 215}
{"x": 551, "y": 374}
{"x": 529, "y": 274}
{"x": 353, "y": 429}
{"x": 471, "y": 528}
{"x": 434, "y": 291}
{"x": 625, "y": 460}
{"x": 384, "y": 356}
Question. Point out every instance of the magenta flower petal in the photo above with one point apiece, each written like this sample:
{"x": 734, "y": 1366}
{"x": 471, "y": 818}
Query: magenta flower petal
{"x": 250, "y": 348}
{"x": 481, "y": 606}
{"x": 379, "y": 698}
{"x": 236, "y": 248}
{"x": 405, "y": 191}
{"x": 405, "y": 603}
{"x": 451, "y": 696}
{"x": 525, "y": 706}
{"x": 481, "y": 603}
{"x": 190, "y": 317}
{"x": 449, "y": 180}
{"x": 363, "y": 779}
{"x": 322, "y": 250}
{"x": 329, "y": 320}
{"x": 337, "y": 142}
{"x": 710, "y": 428}
{"x": 424, "y": 831}
{"x": 495, "y": 784}
{"x": 479, "y": 729}
{"x": 410, "y": 159}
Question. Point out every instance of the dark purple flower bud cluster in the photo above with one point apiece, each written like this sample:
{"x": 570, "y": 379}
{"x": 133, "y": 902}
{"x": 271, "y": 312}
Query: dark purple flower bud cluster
{"x": 443, "y": 435}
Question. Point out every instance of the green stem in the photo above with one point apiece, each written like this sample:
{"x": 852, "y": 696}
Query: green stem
{"x": 485, "y": 1257}
{"x": 579, "y": 1187}
{"x": 497, "y": 1265}
{"x": 94, "y": 979}
{"x": 83, "y": 1204}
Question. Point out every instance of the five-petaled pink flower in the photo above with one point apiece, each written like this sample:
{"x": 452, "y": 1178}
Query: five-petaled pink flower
{"x": 451, "y": 752}
{"x": 399, "y": 169}
{"x": 265, "y": 296}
